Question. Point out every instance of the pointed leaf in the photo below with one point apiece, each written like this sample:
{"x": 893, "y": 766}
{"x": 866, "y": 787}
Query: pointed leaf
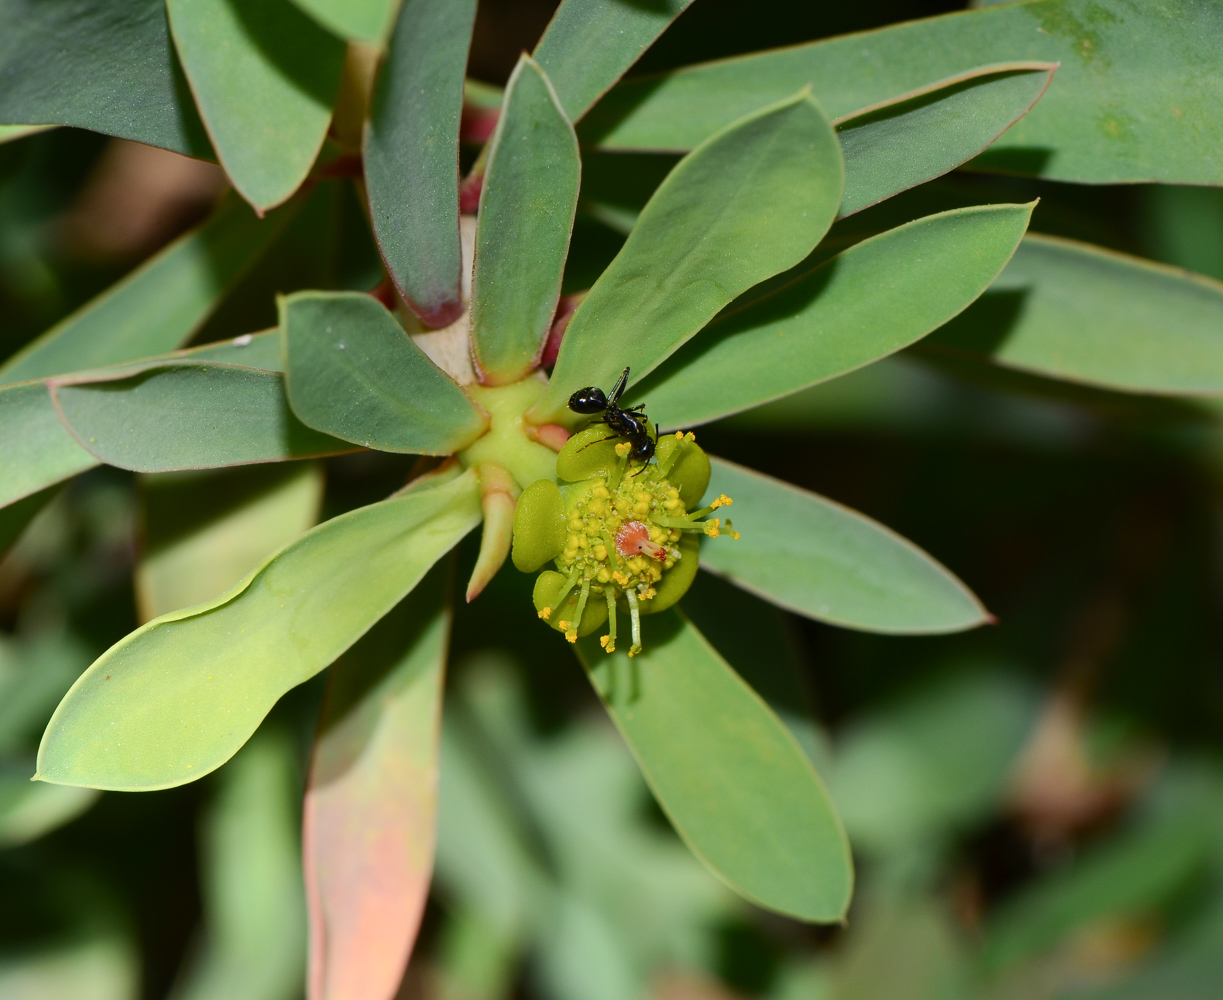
{"x": 204, "y": 532}
{"x": 353, "y": 372}
{"x": 752, "y": 201}
{"x": 95, "y": 65}
{"x": 36, "y": 449}
{"x": 264, "y": 76}
{"x": 359, "y": 20}
{"x": 1076, "y": 312}
{"x": 412, "y": 154}
{"x": 254, "y": 910}
{"x": 179, "y": 696}
{"x": 590, "y": 44}
{"x": 187, "y": 416}
{"x": 870, "y": 300}
{"x": 1131, "y": 101}
{"x": 527, "y": 203}
{"x": 158, "y": 306}
{"x": 371, "y": 805}
{"x": 729, "y": 775}
{"x": 822, "y": 560}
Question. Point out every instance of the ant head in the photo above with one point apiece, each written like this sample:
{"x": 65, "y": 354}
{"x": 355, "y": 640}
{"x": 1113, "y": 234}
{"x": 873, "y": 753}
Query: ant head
{"x": 588, "y": 400}
{"x": 643, "y": 449}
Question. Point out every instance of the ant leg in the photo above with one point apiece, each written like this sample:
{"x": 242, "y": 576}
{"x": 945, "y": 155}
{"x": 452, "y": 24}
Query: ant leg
{"x": 590, "y": 444}
{"x": 618, "y": 388}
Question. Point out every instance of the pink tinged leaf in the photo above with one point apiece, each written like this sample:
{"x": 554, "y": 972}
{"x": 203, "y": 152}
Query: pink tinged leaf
{"x": 369, "y": 828}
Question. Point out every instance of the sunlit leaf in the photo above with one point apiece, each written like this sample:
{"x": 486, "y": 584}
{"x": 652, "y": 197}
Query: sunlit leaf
{"x": 159, "y": 305}
{"x": 590, "y": 43}
{"x": 203, "y": 532}
{"x": 412, "y": 151}
{"x": 526, "y": 213}
{"x": 1076, "y": 312}
{"x": 752, "y": 201}
{"x": 726, "y": 771}
{"x": 29, "y": 810}
{"x": 1130, "y": 103}
{"x": 187, "y": 416}
{"x": 222, "y": 665}
{"x": 371, "y": 804}
{"x": 822, "y": 560}
{"x": 353, "y": 372}
{"x": 36, "y": 449}
{"x": 866, "y": 302}
{"x": 361, "y": 20}
{"x": 264, "y": 76}
{"x": 95, "y": 65}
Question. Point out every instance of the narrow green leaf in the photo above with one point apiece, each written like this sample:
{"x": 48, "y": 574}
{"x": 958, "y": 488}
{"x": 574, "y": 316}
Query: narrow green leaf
{"x": 1075, "y": 312}
{"x": 822, "y": 560}
{"x": 729, "y": 775}
{"x": 359, "y": 20}
{"x": 747, "y": 204}
{"x": 353, "y": 372}
{"x": 187, "y": 416}
{"x": 412, "y": 155}
{"x": 8, "y": 133}
{"x": 180, "y": 695}
{"x": 203, "y": 532}
{"x": 28, "y": 811}
{"x": 590, "y": 44}
{"x": 529, "y": 195}
{"x": 264, "y": 76}
{"x": 36, "y": 450}
{"x": 158, "y": 306}
{"x": 250, "y": 881}
{"x": 97, "y": 65}
{"x": 922, "y": 136}
{"x": 371, "y": 805}
{"x": 1131, "y": 102}
{"x": 865, "y": 303}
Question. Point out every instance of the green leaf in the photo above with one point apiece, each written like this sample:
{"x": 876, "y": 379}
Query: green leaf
{"x": 412, "y": 155}
{"x": 264, "y": 76}
{"x": 353, "y": 372}
{"x": 590, "y": 44}
{"x": 186, "y": 416}
{"x": 28, "y": 811}
{"x": 527, "y": 202}
{"x": 95, "y": 65}
{"x": 922, "y": 136}
{"x": 1075, "y": 312}
{"x": 16, "y": 517}
{"x": 865, "y": 303}
{"x": 750, "y": 202}
{"x": 36, "y": 450}
{"x": 254, "y": 910}
{"x": 8, "y": 133}
{"x": 729, "y": 775}
{"x": 360, "y": 20}
{"x": 158, "y": 306}
{"x": 822, "y": 560}
{"x": 179, "y": 696}
{"x": 371, "y": 804}
{"x": 1131, "y": 102}
{"x": 203, "y": 532}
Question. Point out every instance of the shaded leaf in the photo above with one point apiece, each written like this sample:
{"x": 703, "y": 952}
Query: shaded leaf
{"x": 752, "y": 201}
{"x": 158, "y": 306}
{"x": 1131, "y": 102}
{"x": 589, "y": 45}
{"x": 353, "y": 372}
{"x": 264, "y": 76}
{"x": 865, "y": 303}
{"x": 412, "y": 153}
{"x": 100, "y": 967}
{"x": 95, "y": 65}
{"x": 819, "y": 559}
{"x": 371, "y": 804}
{"x": 360, "y": 20}
{"x": 527, "y": 203}
{"x": 252, "y": 947}
{"x": 727, "y": 772}
{"x": 187, "y": 416}
{"x": 16, "y": 517}
{"x": 36, "y": 449}
{"x": 203, "y": 532}
{"x": 1076, "y": 312}
{"x": 222, "y": 665}
{"x": 29, "y": 810}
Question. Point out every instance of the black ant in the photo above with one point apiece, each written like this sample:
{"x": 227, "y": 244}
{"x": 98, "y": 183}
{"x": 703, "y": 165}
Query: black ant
{"x": 630, "y": 423}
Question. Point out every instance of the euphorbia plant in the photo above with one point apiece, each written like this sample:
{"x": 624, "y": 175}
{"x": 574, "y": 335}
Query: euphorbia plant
{"x": 729, "y": 292}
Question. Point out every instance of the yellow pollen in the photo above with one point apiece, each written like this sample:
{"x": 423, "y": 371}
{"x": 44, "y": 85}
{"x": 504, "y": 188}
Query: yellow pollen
{"x": 722, "y": 501}
{"x": 572, "y": 635}
{"x": 564, "y": 626}
{"x": 622, "y": 448}
{"x": 679, "y": 435}
{"x": 545, "y": 613}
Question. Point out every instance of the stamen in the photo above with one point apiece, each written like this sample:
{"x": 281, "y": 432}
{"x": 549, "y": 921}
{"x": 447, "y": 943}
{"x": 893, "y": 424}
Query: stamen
{"x": 609, "y": 641}
{"x": 635, "y": 617}
{"x": 572, "y": 633}
{"x": 545, "y": 613}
